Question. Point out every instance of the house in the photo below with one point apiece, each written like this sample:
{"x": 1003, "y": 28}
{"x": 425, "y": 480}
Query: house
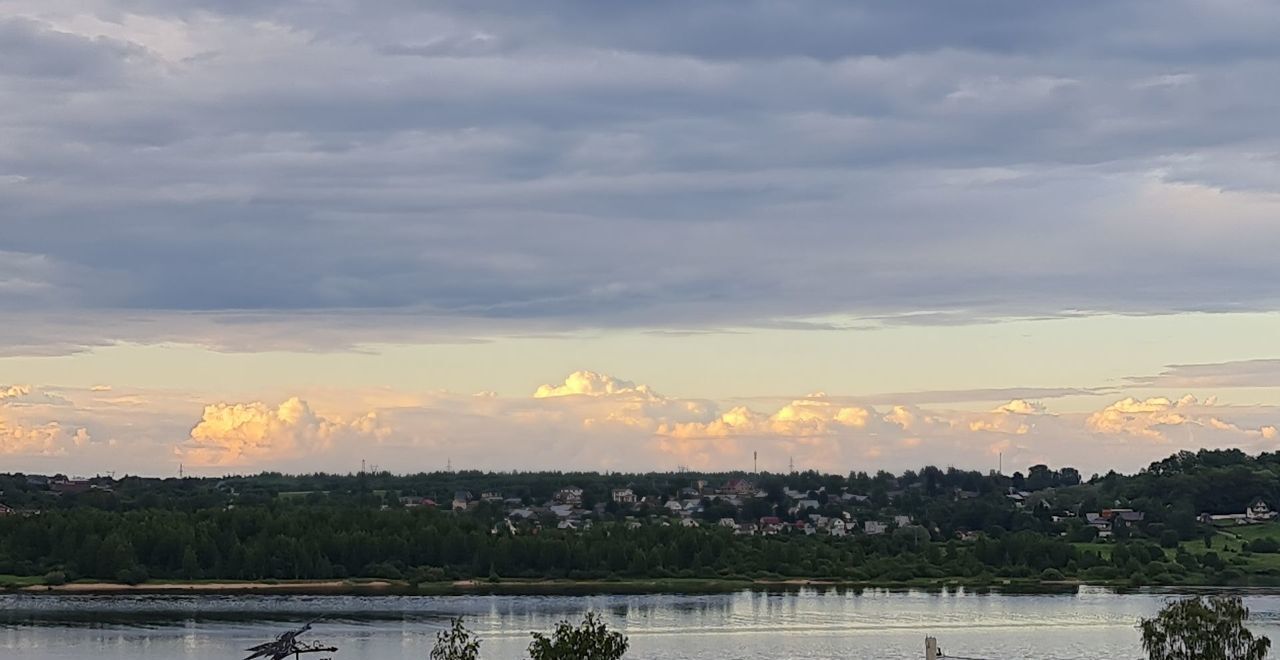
{"x": 688, "y": 522}
{"x": 414, "y": 502}
{"x": 874, "y": 527}
{"x": 624, "y": 496}
{"x": 770, "y": 525}
{"x": 855, "y": 497}
{"x": 70, "y": 486}
{"x": 491, "y": 496}
{"x": 1259, "y": 511}
{"x": 728, "y": 522}
{"x": 1129, "y": 516}
{"x": 807, "y": 504}
{"x": 562, "y": 510}
{"x": 523, "y": 514}
{"x": 738, "y": 487}
{"x": 504, "y": 526}
{"x": 6, "y": 511}
{"x": 837, "y": 528}
{"x": 567, "y": 524}
{"x": 569, "y": 495}
{"x": 461, "y": 500}
{"x": 902, "y": 521}
{"x": 745, "y": 529}
{"x": 1100, "y": 522}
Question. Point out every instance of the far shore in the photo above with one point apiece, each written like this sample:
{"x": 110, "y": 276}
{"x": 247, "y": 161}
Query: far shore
{"x": 517, "y": 586}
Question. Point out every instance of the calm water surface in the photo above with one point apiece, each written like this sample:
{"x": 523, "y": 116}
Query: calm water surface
{"x": 1093, "y": 623}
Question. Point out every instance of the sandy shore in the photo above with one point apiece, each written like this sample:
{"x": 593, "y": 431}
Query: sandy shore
{"x": 211, "y": 587}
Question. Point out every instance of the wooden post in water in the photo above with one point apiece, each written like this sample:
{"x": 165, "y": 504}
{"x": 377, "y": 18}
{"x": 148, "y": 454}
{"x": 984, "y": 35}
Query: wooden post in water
{"x": 931, "y": 649}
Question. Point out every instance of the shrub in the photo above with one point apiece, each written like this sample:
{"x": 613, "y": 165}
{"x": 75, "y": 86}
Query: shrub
{"x": 1052, "y": 575}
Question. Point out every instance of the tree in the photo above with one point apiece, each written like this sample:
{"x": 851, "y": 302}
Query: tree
{"x": 589, "y": 641}
{"x": 456, "y": 643}
{"x": 1202, "y": 628}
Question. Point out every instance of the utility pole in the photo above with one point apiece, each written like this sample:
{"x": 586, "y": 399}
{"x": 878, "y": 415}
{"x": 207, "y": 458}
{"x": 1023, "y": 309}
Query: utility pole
{"x": 791, "y": 465}
{"x": 180, "y": 471}
{"x": 755, "y": 462}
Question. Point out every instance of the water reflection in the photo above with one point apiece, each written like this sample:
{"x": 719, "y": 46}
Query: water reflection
{"x": 797, "y": 623}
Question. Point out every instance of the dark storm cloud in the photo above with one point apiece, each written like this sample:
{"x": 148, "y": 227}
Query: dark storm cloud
{"x": 464, "y": 169}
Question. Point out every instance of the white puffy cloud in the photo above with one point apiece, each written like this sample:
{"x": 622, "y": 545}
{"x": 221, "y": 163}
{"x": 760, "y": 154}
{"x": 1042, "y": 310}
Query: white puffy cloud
{"x": 47, "y": 439}
{"x": 590, "y": 383}
{"x": 244, "y": 433}
{"x": 598, "y": 421}
{"x": 1160, "y": 418}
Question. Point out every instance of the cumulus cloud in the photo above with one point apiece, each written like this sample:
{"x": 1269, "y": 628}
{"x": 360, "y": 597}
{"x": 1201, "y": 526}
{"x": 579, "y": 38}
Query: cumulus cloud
{"x": 590, "y": 383}
{"x": 592, "y": 420}
{"x": 1159, "y": 419}
{"x": 247, "y": 433}
{"x": 48, "y": 439}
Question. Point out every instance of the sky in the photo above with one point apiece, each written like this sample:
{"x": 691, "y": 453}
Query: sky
{"x": 298, "y": 235}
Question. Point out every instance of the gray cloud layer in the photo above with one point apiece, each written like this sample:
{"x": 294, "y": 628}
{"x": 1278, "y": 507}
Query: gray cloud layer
{"x": 456, "y": 167}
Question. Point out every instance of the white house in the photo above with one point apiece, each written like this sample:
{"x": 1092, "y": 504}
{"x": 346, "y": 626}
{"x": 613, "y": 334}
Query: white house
{"x": 874, "y": 527}
{"x": 624, "y": 496}
{"x": 1259, "y": 511}
{"x": 837, "y": 527}
{"x": 902, "y": 521}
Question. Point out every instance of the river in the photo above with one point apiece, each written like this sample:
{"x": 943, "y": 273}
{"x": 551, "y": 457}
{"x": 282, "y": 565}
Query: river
{"x": 807, "y": 624}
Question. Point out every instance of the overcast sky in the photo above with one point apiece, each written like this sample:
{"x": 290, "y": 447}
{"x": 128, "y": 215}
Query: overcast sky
{"x": 282, "y": 233}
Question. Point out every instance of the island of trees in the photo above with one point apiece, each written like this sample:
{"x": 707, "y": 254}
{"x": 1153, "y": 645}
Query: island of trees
{"x": 1192, "y": 519}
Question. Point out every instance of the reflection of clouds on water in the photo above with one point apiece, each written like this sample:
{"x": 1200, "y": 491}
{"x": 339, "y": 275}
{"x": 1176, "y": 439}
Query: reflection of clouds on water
{"x": 805, "y": 623}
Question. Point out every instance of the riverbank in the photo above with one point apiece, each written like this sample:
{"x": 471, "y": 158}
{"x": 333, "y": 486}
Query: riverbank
{"x": 513, "y": 586}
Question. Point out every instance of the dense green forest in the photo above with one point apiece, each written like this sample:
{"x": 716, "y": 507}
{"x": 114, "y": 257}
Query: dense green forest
{"x": 325, "y": 527}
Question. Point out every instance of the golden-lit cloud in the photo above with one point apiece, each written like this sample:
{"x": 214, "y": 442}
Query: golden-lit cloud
{"x": 597, "y": 421}
{"x": 47, "y": 439}
{"x": 242, "y": 433}
{"x": 590, "y": 383}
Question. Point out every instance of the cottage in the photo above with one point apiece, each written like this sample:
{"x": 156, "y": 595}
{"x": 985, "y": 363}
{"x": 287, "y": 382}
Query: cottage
{"x": 1259, "y": 511}
{"x": 461, "y": 500}
{"x": 624, "y": 496}
{"x": 569, "y": 495}
{"x": 738, "y": 487}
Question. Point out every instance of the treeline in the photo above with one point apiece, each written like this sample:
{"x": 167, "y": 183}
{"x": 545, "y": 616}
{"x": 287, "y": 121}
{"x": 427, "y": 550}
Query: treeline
{"x": 306, "y": 542}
